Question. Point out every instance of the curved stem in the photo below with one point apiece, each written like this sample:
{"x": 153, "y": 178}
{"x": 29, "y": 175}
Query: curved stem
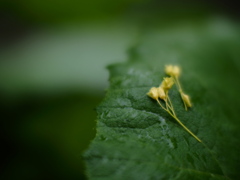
{"x": 167, "y": 105}
{"x": 190, "y": 132}
{"x": 162, "y": 106}
{"x": 178, "y": 83}
{"x": 180, "y": 90}
{"x": 171, "y": 106}
{"x": 184, "y": 103}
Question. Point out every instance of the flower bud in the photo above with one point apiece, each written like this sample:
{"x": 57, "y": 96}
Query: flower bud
{"x": 169, "y": 69}
{"x": 176, "y": 71}
{"x": 161, "y": 93}
{"x": 153, "y": 93}
{"x": 167, "y": 83}
{"x": 172, "y": 70}
{"x": 186, "y": 99}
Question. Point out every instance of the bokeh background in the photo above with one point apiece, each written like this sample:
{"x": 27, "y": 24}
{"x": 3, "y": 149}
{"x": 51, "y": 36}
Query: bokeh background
{"x": 53, "y": 55}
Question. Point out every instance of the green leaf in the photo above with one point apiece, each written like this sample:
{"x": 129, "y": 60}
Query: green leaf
{"x": 136, "y": 139}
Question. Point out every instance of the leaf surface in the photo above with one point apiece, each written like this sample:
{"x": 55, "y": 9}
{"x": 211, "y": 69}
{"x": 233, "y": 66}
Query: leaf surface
{"x": 136, "y": 139}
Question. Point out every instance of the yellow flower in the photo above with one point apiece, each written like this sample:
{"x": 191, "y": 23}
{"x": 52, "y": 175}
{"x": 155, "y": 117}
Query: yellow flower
{"x": 186, "y": 99}
{"x": 167, "y": 83}
{"x": 153, "y": 93}
{"x": 176, "y": 71}
{"x": 169, "y": 69}
{"x": 161, "y": 93}
{"x": 172, "y": 70}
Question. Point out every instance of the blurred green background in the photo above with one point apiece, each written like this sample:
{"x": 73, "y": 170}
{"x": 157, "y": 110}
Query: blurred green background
{"x": 53, "y": 56}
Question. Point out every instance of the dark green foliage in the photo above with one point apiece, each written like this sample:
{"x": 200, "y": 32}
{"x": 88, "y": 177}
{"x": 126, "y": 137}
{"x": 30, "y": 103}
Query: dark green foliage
{"x": 136, "y": 139}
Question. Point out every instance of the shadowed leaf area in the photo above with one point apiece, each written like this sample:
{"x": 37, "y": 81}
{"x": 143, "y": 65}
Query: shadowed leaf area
{"x": 137, "y": 139}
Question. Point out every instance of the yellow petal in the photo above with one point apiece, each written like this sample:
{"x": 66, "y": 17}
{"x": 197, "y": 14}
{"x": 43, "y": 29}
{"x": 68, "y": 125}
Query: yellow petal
{"x": 176, "y": 71}
{"x": 161, "y": 93}
{"x": 153, "y": 93}
{"x": 186, "y": 99}
{"x": 169, "y": 70}
{"x": 167, "y": 83}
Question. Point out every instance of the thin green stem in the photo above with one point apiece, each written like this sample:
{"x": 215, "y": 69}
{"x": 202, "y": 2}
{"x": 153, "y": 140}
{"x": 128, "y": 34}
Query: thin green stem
{"x": 175, "y": 117}
{"x": 162, "y": 106}
{"x": 190, "y": 132}
{"x": 184, "y": 104}
{"x": 180, "y": 90}
{"x": 167, "y": 105}
{"x": 171, "y": 106}
{"x": 178, "y": 83}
